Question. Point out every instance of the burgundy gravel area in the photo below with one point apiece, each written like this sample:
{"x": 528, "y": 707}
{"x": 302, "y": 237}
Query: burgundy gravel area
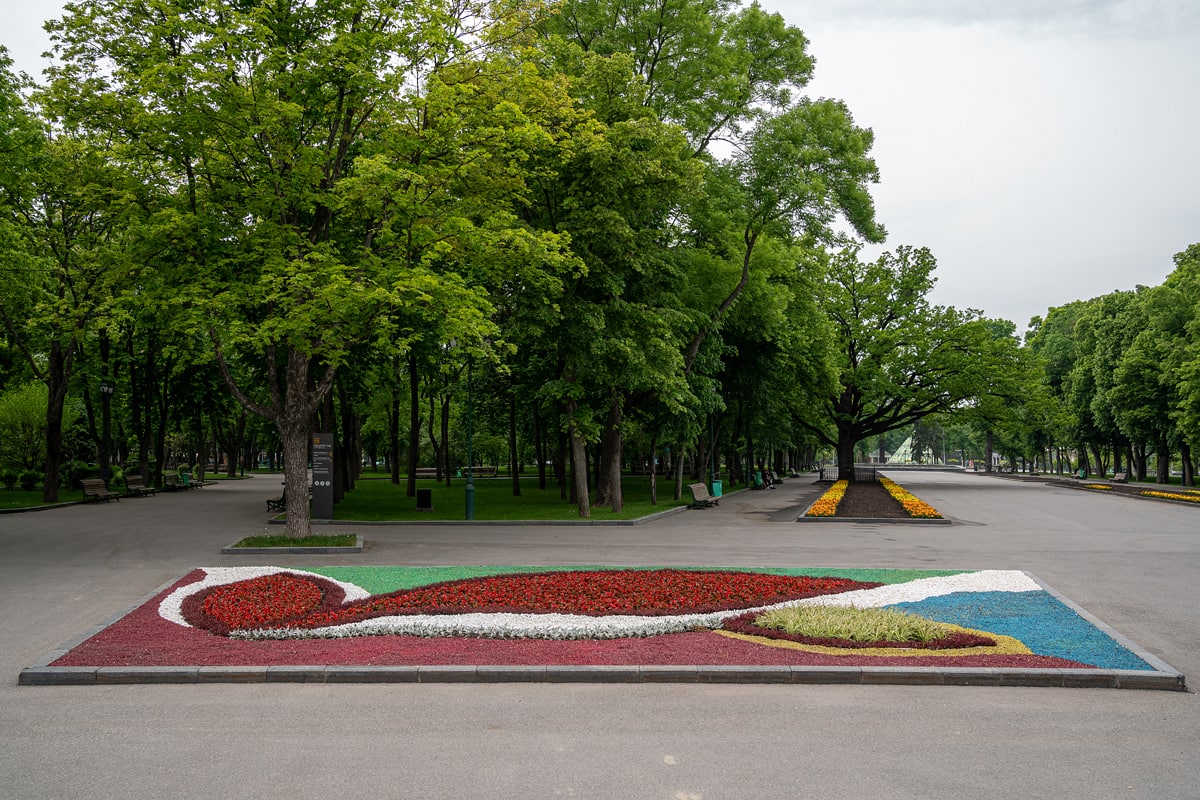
{"x": 143, "y": 638}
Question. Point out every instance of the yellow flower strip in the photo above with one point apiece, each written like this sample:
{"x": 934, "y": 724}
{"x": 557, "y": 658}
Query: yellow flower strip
{"x": 915, "y": 506}
{"x": 1097, "y": 486}
{"x": 826, "y": 505}
{"x": 1191, "y": 498}
{"x": 1005, "y": 646}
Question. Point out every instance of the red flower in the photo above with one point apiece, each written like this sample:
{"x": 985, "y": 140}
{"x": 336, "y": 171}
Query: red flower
{"x": 298, "y": 601}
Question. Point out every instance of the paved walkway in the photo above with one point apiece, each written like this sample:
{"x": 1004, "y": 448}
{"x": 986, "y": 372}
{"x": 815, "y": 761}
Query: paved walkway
{"x": 1131, "y": 563}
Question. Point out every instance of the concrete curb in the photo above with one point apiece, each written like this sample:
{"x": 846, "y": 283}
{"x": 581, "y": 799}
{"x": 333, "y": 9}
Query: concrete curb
{"x": 1163, "y": 677}
{"x": 733, "y": 674}
{"x": 877, "y": 520}
{"x": 230, "y": 550}
{"x": 512, "y": 523}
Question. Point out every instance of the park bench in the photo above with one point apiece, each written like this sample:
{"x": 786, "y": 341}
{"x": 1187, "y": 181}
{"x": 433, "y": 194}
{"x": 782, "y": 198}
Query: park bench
{"x": 94, "y": 489}
{"x": 280, "y": 503}
{"x": 1120, "y": 477}
{"x": 135, "y": 486}
{"x": 172, "y": 482}
{"x": 700, "y": 496}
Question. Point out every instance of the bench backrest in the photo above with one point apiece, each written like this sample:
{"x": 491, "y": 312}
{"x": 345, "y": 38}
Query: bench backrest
{"x": 699, "y": 490}
{"x": 93, "y": 485}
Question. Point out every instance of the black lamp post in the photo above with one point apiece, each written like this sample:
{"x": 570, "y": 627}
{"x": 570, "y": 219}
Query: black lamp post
{"x": 106, "y": 393}
{"x": 470, "y": 490}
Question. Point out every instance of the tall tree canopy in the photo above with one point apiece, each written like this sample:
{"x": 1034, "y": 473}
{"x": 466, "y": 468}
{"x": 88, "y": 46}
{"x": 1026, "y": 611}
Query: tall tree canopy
{"x": 897, "y": 357}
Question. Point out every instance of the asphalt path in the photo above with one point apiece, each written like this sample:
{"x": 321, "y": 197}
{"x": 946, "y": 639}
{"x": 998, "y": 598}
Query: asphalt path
{"x": 1132, "y": 563}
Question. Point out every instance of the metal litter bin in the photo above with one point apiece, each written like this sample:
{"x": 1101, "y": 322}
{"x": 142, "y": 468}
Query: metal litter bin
{"x": 716, "y": 489}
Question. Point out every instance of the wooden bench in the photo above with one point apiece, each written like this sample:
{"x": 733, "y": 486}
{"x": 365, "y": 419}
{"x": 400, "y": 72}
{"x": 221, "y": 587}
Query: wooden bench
{"x": 278, "y": 504}
{"x": 94, "y": 489}
{"x": 135, "y": 486}
{"x": 700, "y": 496}
{"x": 1120, "y": 477}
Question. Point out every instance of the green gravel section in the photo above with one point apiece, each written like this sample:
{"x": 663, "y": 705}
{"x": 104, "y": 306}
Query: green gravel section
{"x": 379, "y": 580}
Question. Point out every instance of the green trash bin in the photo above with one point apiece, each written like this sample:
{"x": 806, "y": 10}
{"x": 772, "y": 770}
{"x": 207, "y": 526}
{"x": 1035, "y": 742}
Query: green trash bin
{"x": 716, "y": 488}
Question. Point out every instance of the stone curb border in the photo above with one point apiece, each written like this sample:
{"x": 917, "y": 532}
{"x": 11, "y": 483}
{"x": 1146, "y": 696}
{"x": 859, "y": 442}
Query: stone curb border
{"x": 230, "y": 550}
{"x": 864, "y": 676}
{"x": 1164, "y": 677}
{"x": 1111, "y": 493}
{"x": 515, "y": 523}
{"x": 879, "y": 520}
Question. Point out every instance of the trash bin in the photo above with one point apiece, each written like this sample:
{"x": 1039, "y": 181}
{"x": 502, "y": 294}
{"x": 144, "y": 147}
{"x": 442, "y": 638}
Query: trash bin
{"x": 185, "y": 478}
{"x": 424, "y": 499}
{"x": 716, "y": 488}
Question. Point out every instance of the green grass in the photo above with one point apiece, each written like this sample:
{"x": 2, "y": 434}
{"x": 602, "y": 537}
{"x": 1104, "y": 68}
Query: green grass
{"x": 280, "y": 540}
{"x": 18, "y": 498}
{"x": 378, "y": 500}
{"x": 378, "y": 580}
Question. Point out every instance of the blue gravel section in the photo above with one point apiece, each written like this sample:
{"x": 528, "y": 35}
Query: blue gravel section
{"x": 1039, "y": 620}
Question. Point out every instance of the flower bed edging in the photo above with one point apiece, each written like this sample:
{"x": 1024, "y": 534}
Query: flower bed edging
{"x": 184, "y": 657}
{"x": 232, "y": 550}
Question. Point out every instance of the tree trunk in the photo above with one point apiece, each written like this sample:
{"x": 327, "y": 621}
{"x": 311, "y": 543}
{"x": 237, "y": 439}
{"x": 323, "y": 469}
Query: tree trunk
{"x": 394, "y": 437}
{"x": 433, "y": 439}
{"x": 608, "y": 483}
{"x": 679, "y": 475}
{"x": 414, "y": 426}
{"x": 58, "y": 372}
{"x": 987, "y": 452}
{"x": 845, "y": 455}
{"x": 653, "y": 471}
{"x": 1188, "y": 476}
{"x": 579, "y": 472}
{"x": 446, "y": 437}
{"x": 1162, "y": 472}
{"x": 560, "y": 467}
{"x": 539, "y": 445}
{"x": 512, "y": 443}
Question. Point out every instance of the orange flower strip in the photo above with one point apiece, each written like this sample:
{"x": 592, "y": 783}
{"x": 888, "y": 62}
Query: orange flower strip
{"x": 1191, "y": 498}
{"x": 912, "y": 504}
{"x": 826, "y": 505}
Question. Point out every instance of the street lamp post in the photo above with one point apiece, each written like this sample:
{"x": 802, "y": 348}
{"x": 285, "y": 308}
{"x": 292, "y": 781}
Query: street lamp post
{"x": 470, "y": 490}
{"x": 106, "y": 392}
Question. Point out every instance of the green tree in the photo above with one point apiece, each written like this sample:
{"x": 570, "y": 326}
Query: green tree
{"x": 898, "y": 358}
{"x": 257, "y": 112}
{"x": 23, "y": 420}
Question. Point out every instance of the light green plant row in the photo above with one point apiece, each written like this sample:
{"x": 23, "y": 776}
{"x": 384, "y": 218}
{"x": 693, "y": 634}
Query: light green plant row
{"x": 854, "y": 624}
{"x": 379, "y": 580}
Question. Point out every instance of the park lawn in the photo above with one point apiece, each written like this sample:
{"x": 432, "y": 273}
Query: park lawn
{"x": 381, "y": 500}
{"x": 18, "y": 498}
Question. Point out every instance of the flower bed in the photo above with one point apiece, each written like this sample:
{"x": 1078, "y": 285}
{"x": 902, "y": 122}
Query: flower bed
{"x": 827, "y": 504}
{"x": 604, "y": 616}
{"x": 1189, "y": 497}
{"x": 915, "y": 506}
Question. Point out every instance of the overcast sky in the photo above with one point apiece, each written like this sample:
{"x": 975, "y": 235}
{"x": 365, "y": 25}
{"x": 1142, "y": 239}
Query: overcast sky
{"x": 1044, "y": 150}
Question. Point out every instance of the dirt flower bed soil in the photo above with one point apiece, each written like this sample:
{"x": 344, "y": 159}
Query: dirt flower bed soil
{"x": 868, "y": 499}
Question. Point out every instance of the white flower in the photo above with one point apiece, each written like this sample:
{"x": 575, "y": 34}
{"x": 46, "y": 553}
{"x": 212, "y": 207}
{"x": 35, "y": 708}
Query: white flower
{"x": 616, "y": 626}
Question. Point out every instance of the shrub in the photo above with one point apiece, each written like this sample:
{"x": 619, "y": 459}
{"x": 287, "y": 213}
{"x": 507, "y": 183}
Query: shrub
{"x": 29, "y": 479}
{"x": 9, "y": 478}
